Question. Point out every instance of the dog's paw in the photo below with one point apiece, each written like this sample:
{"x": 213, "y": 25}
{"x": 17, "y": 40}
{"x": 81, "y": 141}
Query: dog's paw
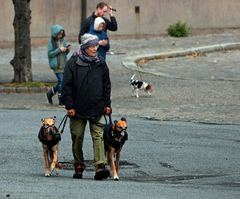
{"x": 47, "y": 174}
{"x": 116, "y": 178}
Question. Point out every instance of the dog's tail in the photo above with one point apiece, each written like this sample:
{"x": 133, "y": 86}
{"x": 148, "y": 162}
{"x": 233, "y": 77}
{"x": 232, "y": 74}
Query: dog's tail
{"x": 132, "y": 78}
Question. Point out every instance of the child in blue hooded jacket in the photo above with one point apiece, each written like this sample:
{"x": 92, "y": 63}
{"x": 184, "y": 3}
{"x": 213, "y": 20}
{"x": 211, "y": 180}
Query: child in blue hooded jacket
{"x": 98, "y": 30}
{"x": 57, "y": 58}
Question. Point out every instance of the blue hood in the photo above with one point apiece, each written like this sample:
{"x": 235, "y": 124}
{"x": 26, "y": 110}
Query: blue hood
{"x": 55, "y": 29}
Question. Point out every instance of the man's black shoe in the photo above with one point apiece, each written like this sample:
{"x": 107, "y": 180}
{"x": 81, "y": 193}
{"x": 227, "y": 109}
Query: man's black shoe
{"x": 77, "y": 175}
{"x": 101, "y": 172}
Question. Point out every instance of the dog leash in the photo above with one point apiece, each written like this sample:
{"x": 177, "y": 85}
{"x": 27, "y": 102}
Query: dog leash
{"x": 107, "y": 128}
{"x": 64, "y": 121}
{"x": 138, "y": 70}
{"x": 110, "y": 119}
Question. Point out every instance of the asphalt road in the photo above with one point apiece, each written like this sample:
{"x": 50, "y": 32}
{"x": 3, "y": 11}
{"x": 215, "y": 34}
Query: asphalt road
{"x": 160, "y": 160}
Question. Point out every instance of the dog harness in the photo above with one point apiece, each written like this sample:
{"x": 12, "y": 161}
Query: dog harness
{"x": 50, "y": 143}
{"x": 56, "y": 137}
{"x": 116, "y": 140}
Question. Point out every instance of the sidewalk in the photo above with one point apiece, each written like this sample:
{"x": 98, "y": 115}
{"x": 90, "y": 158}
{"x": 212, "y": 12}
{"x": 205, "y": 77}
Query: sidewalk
{"x": 193, "y": 97}
{"x": 174, "y": 64}
{"x": 131, "y": 47}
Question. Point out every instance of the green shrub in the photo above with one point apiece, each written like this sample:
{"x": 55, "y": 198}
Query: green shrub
{"x": 179, "y": 29}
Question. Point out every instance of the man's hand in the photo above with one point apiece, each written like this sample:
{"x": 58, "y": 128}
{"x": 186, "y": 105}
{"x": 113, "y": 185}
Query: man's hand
{"x": 103, "y": 42}
{"x": 107, "y": 110}
{"x": 110, "y": 11}
{"x": 71, "y": 112}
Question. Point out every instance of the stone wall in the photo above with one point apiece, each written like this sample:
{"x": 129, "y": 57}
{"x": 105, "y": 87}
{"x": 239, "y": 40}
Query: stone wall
{"x": 44, "y": 14}
{"x": 135, "y": 17}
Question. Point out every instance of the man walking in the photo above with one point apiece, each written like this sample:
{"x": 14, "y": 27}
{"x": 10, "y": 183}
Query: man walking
{"x": 86, "y": 94}
{"x": 101, "y": 10}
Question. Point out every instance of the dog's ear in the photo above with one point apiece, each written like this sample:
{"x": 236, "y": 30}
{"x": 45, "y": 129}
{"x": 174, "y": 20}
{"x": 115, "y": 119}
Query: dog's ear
{"x": 54, "y": 119}
{"x": 42, "y": 120}
{"x": 124, "y": 119}
{"x": 114, "y": 124}
{"x": 150, "y": 87}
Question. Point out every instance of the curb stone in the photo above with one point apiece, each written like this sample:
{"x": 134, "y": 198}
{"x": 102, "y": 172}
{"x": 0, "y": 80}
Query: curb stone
{"x": 23, "y": 89}
{"x": 131, "y": 62}
{"x": 7, "y": 90}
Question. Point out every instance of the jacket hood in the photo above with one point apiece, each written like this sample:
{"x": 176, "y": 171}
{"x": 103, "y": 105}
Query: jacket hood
{"x": 97, "y": 22}
{"x": 55, "y": 29}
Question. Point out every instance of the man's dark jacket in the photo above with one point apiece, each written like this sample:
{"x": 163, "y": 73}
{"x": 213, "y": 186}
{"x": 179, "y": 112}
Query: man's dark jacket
{"x": 86, "y": 87}
{"x": 88, "y": 22}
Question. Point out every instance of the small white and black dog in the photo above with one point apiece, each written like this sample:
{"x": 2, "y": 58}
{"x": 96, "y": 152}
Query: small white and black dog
{"x": 140, "y": 85}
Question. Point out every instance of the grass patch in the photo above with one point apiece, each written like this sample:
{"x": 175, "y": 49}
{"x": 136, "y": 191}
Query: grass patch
{"x": 28, "y": 84}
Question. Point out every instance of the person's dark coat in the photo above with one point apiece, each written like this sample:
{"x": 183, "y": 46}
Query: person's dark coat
{"x": 88, "y": 22}
{"x": 86, "y": 87}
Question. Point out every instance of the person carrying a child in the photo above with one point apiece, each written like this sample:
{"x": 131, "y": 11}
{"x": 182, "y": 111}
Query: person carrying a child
{"x": 98, "y": 30}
